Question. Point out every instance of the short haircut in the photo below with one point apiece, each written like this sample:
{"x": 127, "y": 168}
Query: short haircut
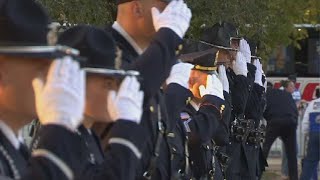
{"x": 285, "y": 83}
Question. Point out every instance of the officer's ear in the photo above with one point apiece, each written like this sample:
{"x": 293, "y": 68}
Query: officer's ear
{"x": 137, "y": 9}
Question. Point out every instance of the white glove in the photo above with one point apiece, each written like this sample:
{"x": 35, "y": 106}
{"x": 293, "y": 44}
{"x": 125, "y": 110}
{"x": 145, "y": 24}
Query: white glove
{"x": 126, "y": 104}
{"x": 61, "y": 99}
{"x": 180, "y": 74}
{"x": 223, "y": 78}
{"x": 244, "y": 48}
{"x": 213, "y": 87}
{"x": 258, "y": 75}
{"x": 240, "y": 65}
{"x": 176, "y": 16}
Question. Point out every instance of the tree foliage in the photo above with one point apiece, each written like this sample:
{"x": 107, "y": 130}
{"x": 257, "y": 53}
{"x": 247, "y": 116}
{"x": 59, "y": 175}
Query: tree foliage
{"x": 271, "y": 22}
{"x": 95, "y": 12}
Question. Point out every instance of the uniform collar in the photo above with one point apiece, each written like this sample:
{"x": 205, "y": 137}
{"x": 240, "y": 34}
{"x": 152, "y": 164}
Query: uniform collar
{"x": 9, "y": 135}
{"x": 131, "y": 41}
{"x": 194, "y": 105}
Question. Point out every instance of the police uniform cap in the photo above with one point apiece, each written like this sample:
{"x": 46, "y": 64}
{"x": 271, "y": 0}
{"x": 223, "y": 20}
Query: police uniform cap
{"x": 202, "y": 60}
{"x": 24, "y": 30}
{"x": 205, "y": 63}
{"x": 217, "y": 36}
{"x": 232, "y": 30}
{"x": 253, "y": 48}
{"x": 98, "y": 47}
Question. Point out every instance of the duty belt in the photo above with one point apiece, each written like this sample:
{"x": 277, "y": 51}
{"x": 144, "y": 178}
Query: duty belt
{"x": 241, "y": 128}
{"x": 257, "y": 136}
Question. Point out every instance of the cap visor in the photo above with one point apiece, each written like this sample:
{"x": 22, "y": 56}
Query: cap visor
{"x": 111, "y": 72}
{"x": 219, "y": 47}
{"x": 191, "y": 56}
{"x": 50, "y": 52}
{"x": 236, "y": 38}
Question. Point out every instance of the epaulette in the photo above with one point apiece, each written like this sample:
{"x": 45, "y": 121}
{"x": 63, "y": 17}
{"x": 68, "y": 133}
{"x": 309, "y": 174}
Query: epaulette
{"x": 184, "y": 116}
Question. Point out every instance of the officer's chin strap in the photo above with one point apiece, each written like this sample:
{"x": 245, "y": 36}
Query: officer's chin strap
{"x": 161, "y": 132}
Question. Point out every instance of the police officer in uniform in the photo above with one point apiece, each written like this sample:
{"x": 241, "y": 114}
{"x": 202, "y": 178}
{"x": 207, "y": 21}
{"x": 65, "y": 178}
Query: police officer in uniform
{"x": 25, "y": 57}
{"x": 149, "y": 41}
{"x": 206, "y": 134}
{"x": 254, "y": 109}
{"x": 199, "y": 121}
{"x": 254, "y": 112}
{"x": 235, "y": 63}
{"x": 237, "y": 70}
{"x": 119, "y": 99}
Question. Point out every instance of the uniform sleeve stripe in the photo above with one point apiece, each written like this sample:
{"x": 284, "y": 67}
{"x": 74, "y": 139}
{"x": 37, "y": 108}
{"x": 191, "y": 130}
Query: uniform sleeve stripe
{"x": 128, "y": 144}
{"x": 56, "y": 160}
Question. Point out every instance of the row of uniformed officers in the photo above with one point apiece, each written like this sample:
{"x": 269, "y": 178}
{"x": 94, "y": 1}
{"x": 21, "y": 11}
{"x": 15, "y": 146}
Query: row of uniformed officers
{"x": 131, "y": 101}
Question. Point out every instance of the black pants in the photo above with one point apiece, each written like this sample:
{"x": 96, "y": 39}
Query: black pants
{"x": 288, "y": 135}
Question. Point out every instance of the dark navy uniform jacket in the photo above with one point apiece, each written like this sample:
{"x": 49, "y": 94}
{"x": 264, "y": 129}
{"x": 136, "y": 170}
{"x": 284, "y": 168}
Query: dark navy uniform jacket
{"x": 281, "y": 108}
{"x": 203, "y": 125}
{"x": 123, "y": 150}
{"x": 254, "y": 111}
{"x": 239, "y": 91}
{"x": 57, "y": 147}
{"x": 154, "y": 66}
{"x": 201, "y": 149}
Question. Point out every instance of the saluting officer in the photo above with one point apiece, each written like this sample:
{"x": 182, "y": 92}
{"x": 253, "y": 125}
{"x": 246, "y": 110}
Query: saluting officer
{"x": 206, "y": 133}
{"x": 112, "y": 96}
{"x": 57, "y": 96}
{"x": 149, "y": 37}
{"x": 253, "y": 110}
{"x": 200, "y": 120}
{"x": 253, "y": 114}
{"x": 235, "y": 62}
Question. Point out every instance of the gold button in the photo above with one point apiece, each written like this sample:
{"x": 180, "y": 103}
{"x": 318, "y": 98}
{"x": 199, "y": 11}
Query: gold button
{"x": 180, "y": 47}
{"x": 188, "y": 100}
{"x": 151, "y": 108}
{"x": 177, "y": 52}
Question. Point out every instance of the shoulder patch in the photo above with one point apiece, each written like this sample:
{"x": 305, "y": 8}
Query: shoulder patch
{"x": 184, "y": 116}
